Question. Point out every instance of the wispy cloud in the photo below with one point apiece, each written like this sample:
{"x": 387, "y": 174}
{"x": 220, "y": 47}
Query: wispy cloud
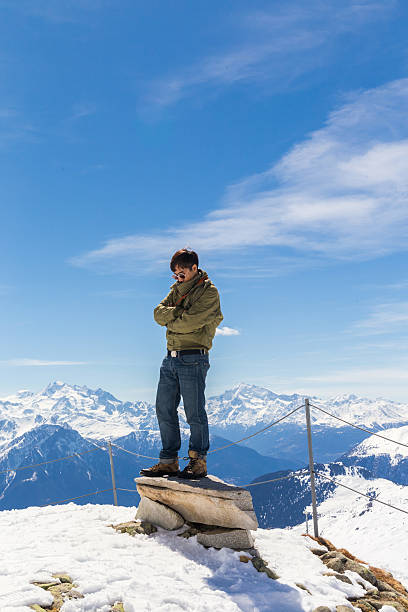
{"x": 340, "y": 194}
{"x": 360, "y": 376}
{"x": 226, "y": 331}
{"x": 23, "y": 362}
{"x": 384, "y": 319}
{"x": 276, "y": 46}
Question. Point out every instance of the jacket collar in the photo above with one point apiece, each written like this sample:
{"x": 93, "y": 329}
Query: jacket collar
{"x": 184, "y": 288}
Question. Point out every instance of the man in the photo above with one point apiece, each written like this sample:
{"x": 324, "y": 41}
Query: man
{"x": 191, "y": 312}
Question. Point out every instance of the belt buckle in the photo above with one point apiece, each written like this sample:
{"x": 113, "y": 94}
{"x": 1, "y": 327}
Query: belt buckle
{"x": 173, "y": 353}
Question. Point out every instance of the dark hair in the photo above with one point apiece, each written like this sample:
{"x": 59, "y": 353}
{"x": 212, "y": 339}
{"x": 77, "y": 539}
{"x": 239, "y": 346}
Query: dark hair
{"x": 184, "y": 258}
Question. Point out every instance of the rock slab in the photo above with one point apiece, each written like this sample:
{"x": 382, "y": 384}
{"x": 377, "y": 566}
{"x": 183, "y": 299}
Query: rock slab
{"x": 158, "y": 514}
{"x": 209, "y": 500}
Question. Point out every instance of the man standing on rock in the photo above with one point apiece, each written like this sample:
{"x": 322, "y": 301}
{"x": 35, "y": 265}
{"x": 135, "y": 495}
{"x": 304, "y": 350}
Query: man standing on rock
{"x": 191, "y": 312}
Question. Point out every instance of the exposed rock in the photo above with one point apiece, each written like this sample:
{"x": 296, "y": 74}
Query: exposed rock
{"x": 337, "y": 565}
{"x": 244, "y": 558}
{"x": 261, "y": 566}
{"x": 302, "y": 586}
{"x": 118, "y": 607}
{"x": 46, "y": 585}
{"x": 134, "y": 527}
{"x": 220, "y": 537}
{"x": 158, "y": 514}
{"x": 322, "y": 609}
{"x": 363, "y": 571}
{"x": 209, "y": 500}
{"x": 62, "y": 577}
{"x": 341, "y": 577}
{"x": 383, "y": 586}
{"x": 343, "y": 608}
{"x": 61, "y": 589}
{"x": 333, "y": 554}
{"x": 318, "y": 551}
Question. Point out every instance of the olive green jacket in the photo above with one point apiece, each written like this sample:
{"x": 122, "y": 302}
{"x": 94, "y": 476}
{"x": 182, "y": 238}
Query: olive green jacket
{"x": 191, "y": 312}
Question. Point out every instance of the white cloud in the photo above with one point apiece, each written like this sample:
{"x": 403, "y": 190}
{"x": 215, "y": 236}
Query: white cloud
{"x": 39, "y": 362}
{"x": 226, "y": 331}
{"x": 342, "y": 193}
{"x": 360, "y": 375}
{"x": 384, "y": 319}
{"x": 276, "y": 46}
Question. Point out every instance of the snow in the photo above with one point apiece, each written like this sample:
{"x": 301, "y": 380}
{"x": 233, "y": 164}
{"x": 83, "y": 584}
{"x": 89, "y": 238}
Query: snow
{"x": 376, "y": 446}
{"x": 97, "y": 414}
{"x": 371, "y": 531}
{"x": 161, "y": 572}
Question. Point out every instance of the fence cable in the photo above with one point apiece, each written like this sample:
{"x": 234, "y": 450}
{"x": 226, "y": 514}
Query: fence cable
{"x": 373, "y": 433}
{"x": 24, "y": 467}
{"x": 260, "y": 431}
{"x": 254, "y": 484}
{"x": 360, "y": 493}
{"x": 133, "y": 453}
{"x": 61, "y": 501}
{"x": 221, "y": 447}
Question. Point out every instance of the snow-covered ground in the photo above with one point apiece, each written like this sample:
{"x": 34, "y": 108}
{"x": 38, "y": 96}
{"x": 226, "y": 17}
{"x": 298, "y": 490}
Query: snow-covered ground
{"x": 371, "y": 531}
{"x": 157, "y": 573}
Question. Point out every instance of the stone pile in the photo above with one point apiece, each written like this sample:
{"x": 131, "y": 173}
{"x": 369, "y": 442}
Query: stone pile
{"x": 219, "y": 514}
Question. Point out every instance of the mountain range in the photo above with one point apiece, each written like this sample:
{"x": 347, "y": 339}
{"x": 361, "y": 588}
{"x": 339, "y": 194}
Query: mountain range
{"x": 67, "y": 419}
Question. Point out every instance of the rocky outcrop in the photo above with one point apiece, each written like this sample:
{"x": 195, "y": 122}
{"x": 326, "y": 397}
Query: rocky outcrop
{"x": 385, "y": 589}
{"x": 219, "y": 514}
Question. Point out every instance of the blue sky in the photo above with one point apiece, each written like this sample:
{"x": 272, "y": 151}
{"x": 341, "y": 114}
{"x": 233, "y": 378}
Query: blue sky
{"x": 271, "y": 137}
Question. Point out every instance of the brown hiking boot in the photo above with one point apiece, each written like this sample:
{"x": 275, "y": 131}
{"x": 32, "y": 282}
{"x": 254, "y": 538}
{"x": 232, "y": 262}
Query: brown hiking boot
{"x": 162, "y": 469}
{"x": 197, "y": 467}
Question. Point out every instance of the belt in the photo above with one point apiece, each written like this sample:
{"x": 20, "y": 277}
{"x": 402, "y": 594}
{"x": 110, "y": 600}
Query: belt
{"x": 187, "y": 352}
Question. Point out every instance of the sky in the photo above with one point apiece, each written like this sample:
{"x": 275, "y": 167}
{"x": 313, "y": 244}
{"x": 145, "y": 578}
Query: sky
{"x": 270, "y": 137}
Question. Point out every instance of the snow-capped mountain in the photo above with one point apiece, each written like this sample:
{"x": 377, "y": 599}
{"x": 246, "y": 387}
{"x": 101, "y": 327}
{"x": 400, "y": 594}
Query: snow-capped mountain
{"x": 88, "y": 470}
{"x": 96, "y": 414}
{"x": 93, "y": 413}
{"x": 370, "y": 530}
{"x": 282, "y": 503}
{"x": 384, "y": 459}
{"x": 248, "y": 406}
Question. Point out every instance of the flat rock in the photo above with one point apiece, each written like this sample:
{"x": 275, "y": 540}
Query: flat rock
{"x": 159, "y": 514}
{"x": 207, "y": 500}
{"x": 237, "y": 539}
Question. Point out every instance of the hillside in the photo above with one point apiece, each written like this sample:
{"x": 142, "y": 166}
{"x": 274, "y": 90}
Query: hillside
{"x": 370, "y": 530}
{"x": 161, "y": 572}
{"x": 384, "y": 459}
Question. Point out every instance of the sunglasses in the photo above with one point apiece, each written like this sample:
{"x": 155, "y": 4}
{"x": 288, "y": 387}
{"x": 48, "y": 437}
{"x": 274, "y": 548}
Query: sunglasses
{"x": 179, "y": 275}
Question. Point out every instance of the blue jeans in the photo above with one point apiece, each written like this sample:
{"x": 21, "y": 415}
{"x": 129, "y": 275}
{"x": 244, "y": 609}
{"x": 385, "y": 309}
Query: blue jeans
{"x": 184, "y": 377}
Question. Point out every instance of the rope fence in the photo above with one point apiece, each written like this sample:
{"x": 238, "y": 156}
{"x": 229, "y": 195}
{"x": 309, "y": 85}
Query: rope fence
{"x": 293, "y": 474}
{"x": 74, "y": 456}
{"x": 370, "y": 497}
{"x": 372, "y": 433}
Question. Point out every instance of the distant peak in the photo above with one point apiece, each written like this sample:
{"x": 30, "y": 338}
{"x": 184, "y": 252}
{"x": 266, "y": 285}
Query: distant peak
{"x": 54, "y": 386}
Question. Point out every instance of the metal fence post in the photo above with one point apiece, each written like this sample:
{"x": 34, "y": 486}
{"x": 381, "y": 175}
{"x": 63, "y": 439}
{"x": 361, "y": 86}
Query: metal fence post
{"x": 115, "y": 497}
{"x": 311, "y": 468}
